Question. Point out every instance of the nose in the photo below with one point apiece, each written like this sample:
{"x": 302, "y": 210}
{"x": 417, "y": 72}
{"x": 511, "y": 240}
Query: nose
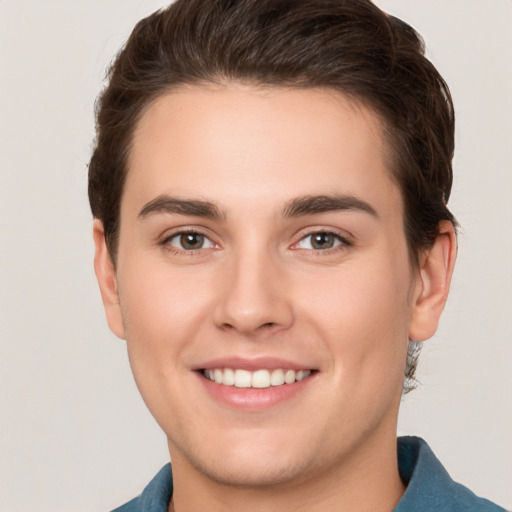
{"x": 254, "y": 296}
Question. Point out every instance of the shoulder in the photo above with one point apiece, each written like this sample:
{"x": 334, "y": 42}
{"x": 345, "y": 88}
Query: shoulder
{"x": 429, "y": 486}
{"x": 156, "y": 495}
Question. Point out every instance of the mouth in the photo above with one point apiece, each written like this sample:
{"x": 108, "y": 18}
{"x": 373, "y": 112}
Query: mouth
{"x": 258, "y": 379}
{"x": 255, "y": 384}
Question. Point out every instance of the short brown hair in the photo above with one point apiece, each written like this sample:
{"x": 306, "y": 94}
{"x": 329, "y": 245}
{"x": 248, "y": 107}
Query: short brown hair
{"x": 350, "y": 46}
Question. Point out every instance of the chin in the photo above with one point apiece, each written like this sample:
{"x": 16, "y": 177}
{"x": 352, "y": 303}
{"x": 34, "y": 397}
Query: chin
{"x": 244, "y": 459}
{"x": 257, "y": 472}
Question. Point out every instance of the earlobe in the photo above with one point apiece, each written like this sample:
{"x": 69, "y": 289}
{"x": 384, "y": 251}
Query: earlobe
{"x": 106, "y": 276}
{"x": 434, "y": 278}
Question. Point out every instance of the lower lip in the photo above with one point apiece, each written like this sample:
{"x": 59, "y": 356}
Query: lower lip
{"x": 254, "y": 398}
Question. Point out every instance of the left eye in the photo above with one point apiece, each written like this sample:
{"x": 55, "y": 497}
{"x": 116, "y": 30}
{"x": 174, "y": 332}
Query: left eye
{"x": 190, "y": 241}
{"x": 320, "y": 241}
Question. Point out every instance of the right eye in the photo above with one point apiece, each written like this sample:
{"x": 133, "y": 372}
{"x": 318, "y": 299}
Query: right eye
{"x": 189, "y": 241}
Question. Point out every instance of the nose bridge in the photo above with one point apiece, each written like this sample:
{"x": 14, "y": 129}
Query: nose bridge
{"x": 254, "y": 294}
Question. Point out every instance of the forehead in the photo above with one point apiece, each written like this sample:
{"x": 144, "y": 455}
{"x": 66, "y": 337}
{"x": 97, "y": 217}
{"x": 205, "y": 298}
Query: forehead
{"x": 234, "y": 143}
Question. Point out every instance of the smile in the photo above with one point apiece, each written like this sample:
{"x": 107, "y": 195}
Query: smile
{"x": 255, "y": 379}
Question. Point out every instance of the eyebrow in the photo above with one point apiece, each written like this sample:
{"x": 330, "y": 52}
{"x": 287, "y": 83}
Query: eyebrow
{"x": 311, "y": 205}
{"x": 301, "y": 206}
{"x": 169, "y": 204}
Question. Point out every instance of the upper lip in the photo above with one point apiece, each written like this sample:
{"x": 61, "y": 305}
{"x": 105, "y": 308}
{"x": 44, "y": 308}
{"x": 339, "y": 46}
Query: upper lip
{"x": 252, "y": 364}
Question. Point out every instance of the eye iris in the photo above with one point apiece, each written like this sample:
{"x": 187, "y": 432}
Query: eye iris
{"x": 322, "y": 241}
{"x": 191, "y": 241}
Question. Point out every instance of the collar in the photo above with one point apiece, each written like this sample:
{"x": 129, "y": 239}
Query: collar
{"x": 429, "y": 486}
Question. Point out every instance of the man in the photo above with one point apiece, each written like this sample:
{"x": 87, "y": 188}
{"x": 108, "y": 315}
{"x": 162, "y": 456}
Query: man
{"x": 269, "y": 187}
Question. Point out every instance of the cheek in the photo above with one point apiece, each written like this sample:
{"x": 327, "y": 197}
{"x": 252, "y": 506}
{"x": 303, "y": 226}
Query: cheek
{"x": 162, "y": 312}
{"x": 364, "y": 314}
{"x": 157, "y": 302}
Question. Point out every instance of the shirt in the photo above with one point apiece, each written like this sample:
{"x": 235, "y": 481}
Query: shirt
{"x": 429, "y": 486}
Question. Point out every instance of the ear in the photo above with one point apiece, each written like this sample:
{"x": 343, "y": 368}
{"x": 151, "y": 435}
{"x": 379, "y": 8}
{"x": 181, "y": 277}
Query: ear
{"x": 434, "y": 278}
{"x": 106, "y": 275}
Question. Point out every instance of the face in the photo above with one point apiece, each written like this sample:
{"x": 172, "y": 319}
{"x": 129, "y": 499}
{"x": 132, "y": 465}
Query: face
{"x": 264, "y": 286}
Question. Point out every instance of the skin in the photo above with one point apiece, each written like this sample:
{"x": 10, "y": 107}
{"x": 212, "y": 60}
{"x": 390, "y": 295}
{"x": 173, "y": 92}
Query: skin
{"x": 258, "y": 288}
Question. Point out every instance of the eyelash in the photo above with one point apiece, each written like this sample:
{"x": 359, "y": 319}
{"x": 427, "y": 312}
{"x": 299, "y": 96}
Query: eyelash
{"x": 340, "y": 242}
{"x": 168, "y": 247}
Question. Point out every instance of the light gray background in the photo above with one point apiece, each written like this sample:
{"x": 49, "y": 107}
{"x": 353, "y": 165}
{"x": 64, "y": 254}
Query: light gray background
{"x": 74, "y": 434}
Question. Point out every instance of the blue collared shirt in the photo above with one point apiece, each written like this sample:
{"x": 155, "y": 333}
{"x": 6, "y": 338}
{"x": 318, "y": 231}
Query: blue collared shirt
{"x": 429, "y": 486}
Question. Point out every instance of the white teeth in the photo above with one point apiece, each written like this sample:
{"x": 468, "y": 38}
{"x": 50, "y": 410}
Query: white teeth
{"x": 277, "y": 378}
{"x": 261, "y": 379}
{"x": 229, "y": 377}
{"x": 289, "y": 376}
{"x": 257, "y": 379}
{"x": 302, "y": 374}
{"x": 242, "y": 379}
